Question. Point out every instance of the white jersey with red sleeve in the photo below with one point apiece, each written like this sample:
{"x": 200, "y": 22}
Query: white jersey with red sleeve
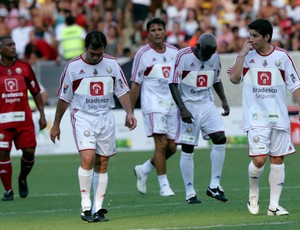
{"x": 266, "y": 79}
{"x": 151, "y": 69}
{"x": 15, "y": 81}
{"x": 90, "y": 88}
{"x": 194, "y": 78}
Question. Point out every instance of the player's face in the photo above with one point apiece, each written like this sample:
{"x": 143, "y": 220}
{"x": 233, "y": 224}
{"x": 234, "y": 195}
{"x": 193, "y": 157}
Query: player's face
{"x": 8, "y": 49}
{"x": 257, "y": 41}
{"x": 157, "y": 34}
{"x": 94, "y": 56}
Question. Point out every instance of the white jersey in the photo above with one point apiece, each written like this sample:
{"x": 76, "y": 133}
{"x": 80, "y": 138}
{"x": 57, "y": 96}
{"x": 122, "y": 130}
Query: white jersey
{"x": 194, "y": 78}
{"x": 265, "y": 83}
{"x": 90, "y": 88}
{"x": 151, "y": 70}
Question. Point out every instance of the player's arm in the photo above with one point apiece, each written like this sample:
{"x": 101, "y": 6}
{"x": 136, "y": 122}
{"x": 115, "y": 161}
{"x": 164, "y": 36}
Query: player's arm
{"x": 40, "y": 106}
{"x": 237, "y": 68}
{"x": 60, "y": 110}
{"x": 218, "y": 87}
{"x": 185, "y": 114}
{"x": 130, "y": 121}
{"x": 134, "y": 93}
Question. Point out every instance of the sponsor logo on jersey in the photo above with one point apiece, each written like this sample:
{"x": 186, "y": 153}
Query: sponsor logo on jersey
{"x": 264, "y": 78}
{"x": 202, "y": 80}
{"x": 96, "y": 88}
{"x": 11, "y": 84}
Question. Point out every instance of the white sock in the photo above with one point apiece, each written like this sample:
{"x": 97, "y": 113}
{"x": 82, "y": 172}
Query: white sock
{"x": 217, "y": 157}
{"x": 100, "y": 181}
{"x": 254, "y": 174}
{"x": 85, "y": 182}
{"x": 187, "y": 172}
{"x": 147, "y": 167}
{"x": 163, "y": 181}
{"x": 276, "y": 180}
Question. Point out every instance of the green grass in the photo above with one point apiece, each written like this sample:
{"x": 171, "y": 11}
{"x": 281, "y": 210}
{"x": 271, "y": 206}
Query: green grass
{"x": 54, "y": 201}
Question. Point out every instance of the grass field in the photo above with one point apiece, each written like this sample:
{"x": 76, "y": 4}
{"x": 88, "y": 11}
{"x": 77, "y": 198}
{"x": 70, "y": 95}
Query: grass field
{"x": 54, "y": 201}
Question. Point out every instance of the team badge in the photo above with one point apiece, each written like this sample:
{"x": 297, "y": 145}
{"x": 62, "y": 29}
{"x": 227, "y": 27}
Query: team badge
{"x": 18, "y": 70}
{"x": 164, "y": 59}
{"x": 1, "y": 136}
{"x": 95, "y": 72}
{"x": 9, "y": 72}
{"x": 189, "y": 129}
{"x": 86, "y": 133}
{"x": 108, "y": 69}
{"x": 256, "y": 138}
{"x": 278, "y": 63}
{"x": 265, "y": 63}
{"x": 211, "y": 64}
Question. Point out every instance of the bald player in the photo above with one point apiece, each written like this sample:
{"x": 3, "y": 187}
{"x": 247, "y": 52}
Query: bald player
{"x": 194, "y": 74}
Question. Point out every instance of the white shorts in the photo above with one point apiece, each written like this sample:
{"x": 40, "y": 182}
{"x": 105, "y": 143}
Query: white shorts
{"x": 158, "y": 123}
{"x": 264, "y": 141}
{"x": 95, "y": 132}
{"x": 207, "y": 119}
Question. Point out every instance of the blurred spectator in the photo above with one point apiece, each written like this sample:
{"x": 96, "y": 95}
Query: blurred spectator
{"x": 277, "y": 39}
{"x": 21, "y": 35}
{"x": 176, "y": 36}
{"x": 225, "y": 39}
{"x": 286, "y": 25}
{"x": 39, "y": 50}
{"x": 194, "y": 39}
{"x": 267, "y": 10}
{"x": 296, "y": 37}
{"x": 12, "y": 17}
{"x": 191, "y": 24}
{"x": 115, "y": 43}
{"x": 237, "y": 45}
{"x": 206, "y": 18}
{"x": 4, "y": 29}
{"x": 72, "y": 39}
{"x": 176, "y": 13}
{"x": 228, "y": 10}
{"x": 293, "y": 10}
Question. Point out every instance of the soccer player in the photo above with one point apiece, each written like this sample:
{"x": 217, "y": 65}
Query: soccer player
{"x": 87, "y": 85}
{"x": 16, "y": 123}
{"x": 150, "y": 72}
{"x": 194, "y": 74}
{"x": 267, "y": 72}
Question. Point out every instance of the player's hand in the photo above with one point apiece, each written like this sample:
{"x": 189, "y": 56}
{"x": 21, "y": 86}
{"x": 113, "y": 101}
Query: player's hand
{"x": 247, "y": 46}
{"x": 226, "y": 108}
{"x": 130, "y": 121}
{"x": 54, "y": 133}
{"x": 186, "y": 116}
{"x": 42, "y": 123}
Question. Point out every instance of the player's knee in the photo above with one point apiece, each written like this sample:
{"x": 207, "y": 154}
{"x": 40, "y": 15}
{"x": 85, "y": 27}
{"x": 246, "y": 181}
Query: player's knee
{"x": 218, "y": 138}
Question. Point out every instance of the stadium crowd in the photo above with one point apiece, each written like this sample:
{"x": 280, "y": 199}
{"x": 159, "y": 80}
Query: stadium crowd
{"x": 37, "y": 25}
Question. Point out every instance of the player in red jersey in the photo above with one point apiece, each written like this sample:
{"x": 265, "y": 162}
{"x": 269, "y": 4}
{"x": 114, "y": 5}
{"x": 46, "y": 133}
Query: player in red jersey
{"x": 16, "y": 124}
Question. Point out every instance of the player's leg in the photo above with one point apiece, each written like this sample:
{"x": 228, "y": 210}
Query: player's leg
{"x": 187, "y": 171}
{"x": 217, "y": 158}
{"x": 6, "y": 175}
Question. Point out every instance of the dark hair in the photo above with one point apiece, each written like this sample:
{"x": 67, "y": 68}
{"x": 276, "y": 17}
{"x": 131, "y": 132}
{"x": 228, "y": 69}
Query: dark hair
{"x": 70, "y": 20}
{"x": 155, "y": 21}
{"x": 263, "y": 27}
{"x": 95, "y": 39}
{"x": 4, "y": 37}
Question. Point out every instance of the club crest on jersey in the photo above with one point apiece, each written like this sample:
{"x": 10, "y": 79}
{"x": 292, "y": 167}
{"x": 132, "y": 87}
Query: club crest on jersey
{"x": 278, "y": 63}
{"x": 95, "y": 72}
{"x": 264, "y": 78}
{"x": 265, "y": 63}
{"x": 164, "y": 59}
{"x": 202, "y": 80}
{"x": 166, "y": 71}
{"x": 211, "y": 64}
{"x": 9, "y": 72}
{"x": 109, "y": 70}
{"x": 96, "y": 88}
{"x": 18, "y": 70}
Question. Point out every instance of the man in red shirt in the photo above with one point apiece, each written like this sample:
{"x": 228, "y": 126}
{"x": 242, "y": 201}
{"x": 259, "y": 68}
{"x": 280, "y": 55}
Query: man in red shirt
{"x": 16, "y": 124}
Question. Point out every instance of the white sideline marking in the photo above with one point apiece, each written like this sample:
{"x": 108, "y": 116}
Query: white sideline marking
{"x": 218, "y": 226}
